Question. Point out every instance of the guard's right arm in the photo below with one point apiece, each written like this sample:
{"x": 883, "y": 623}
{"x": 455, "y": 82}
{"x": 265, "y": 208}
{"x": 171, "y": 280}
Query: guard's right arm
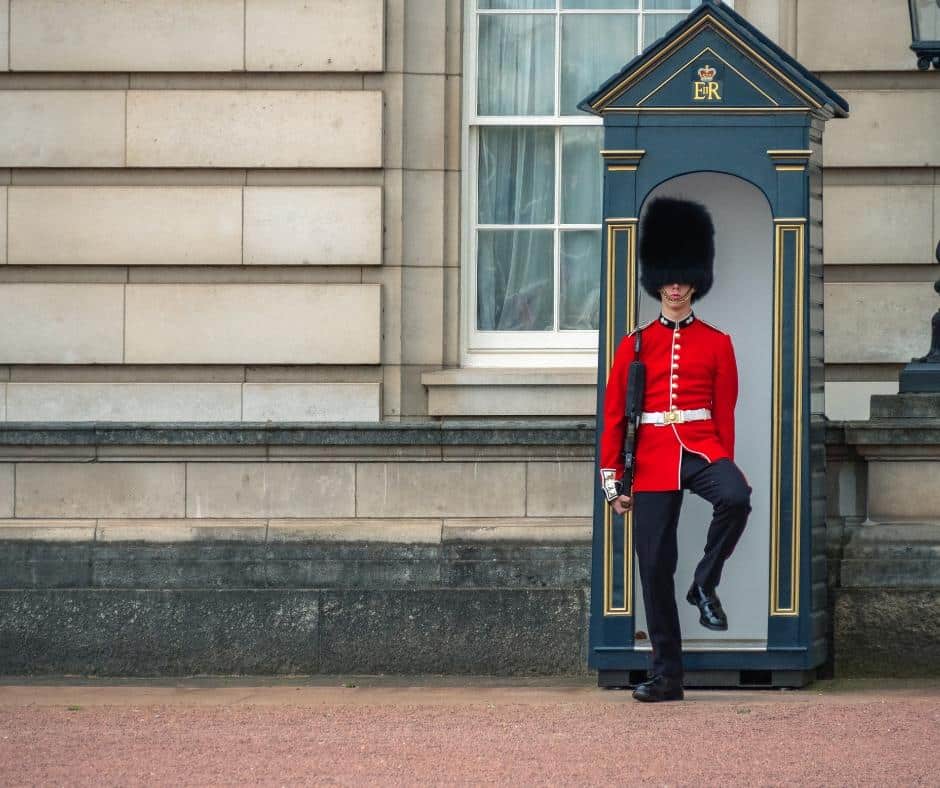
{"x": 615, "y": 417}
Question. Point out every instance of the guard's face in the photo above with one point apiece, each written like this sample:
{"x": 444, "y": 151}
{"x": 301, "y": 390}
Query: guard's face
{"x": 676, "y": 294}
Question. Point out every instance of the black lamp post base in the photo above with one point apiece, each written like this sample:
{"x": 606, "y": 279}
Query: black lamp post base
{"x": 920, "y": 377}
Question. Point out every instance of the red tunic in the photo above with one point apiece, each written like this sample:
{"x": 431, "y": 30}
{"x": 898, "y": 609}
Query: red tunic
{"x": 689, "y": 365}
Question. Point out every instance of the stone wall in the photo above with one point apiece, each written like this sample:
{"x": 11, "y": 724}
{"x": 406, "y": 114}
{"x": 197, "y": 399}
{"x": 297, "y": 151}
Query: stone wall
{"x": 130, "y": 550}
{"x": 884, "y": 539}
{"x": 121, "y": 598}
{"x": 882, "y": 196}
{"x": 248, "y": 144}
{"x": 230, "y": 210}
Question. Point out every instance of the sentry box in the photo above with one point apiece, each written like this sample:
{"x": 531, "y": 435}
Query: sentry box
{"x": 717, "y": 113}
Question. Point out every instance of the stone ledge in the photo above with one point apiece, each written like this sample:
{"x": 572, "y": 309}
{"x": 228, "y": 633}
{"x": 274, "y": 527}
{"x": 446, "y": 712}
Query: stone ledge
{"x": 482, "y": 376}
{"x": 893, "y": 432}
{"x": 511, "y": 392}
{"x": 373, "y": 531}
{"x": 447, "y": 433}
{"x": 442, "y": 433}
{"x": 326, "y": 531}
{"x": 905, "y": 406}
{"x": 156, "y": 565}
{"x": 892, "y": 555}
{"x": 532, "y": 530}
{"x": 175, "y": 531}
{"x": 47, "y": 530}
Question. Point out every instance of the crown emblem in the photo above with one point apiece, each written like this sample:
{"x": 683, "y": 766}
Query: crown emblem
{"x": 706, "y": 73}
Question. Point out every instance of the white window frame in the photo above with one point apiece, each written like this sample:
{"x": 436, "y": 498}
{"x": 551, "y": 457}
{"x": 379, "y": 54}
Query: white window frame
{"x": 568, "y": 348}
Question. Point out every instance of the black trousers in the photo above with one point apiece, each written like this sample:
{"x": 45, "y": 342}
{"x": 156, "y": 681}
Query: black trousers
{"x": 655, "y": 522}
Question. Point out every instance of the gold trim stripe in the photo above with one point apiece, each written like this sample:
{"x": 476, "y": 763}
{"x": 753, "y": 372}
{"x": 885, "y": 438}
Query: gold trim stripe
{"x": 797, "y": 483}
{"x": 775, "y": 421}
{"x": 797, "y": 228}
{"x": 736, "y": 110}
{"x": 628, "y": 228}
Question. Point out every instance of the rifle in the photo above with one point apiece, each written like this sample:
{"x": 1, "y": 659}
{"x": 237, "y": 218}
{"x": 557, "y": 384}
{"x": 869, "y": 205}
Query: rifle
{"x": 636, "y": 385}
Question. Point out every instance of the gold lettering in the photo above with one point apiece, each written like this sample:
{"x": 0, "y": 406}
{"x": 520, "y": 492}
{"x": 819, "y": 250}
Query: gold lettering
{"x": 706, "y": 91}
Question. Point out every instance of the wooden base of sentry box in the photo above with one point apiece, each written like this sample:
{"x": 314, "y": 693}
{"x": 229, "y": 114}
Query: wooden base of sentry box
{"x": 753, "y": 679}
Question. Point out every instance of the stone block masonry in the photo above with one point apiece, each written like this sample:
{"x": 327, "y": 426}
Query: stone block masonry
{"x": 179, "y": 35}
{"x": 154, "y": 564}
{"x": 177, "y": 597}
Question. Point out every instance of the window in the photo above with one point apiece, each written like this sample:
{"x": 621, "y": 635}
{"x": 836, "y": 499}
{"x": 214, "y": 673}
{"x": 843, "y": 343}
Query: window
{"x": 532, "y": 173}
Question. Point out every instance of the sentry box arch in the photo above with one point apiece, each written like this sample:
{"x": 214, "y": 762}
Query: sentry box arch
{"x": 716, "y": 112}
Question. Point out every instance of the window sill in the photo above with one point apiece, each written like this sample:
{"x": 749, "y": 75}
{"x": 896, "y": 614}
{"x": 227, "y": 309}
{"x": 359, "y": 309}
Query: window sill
{"x": 511, "y": 392}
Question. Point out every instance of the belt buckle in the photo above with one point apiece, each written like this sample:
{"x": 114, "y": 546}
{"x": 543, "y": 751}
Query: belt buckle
{"x": 673, "y": 416}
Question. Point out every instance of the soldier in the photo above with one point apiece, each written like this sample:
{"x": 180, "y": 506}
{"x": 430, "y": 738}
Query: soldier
{"x": 686, "y": 436}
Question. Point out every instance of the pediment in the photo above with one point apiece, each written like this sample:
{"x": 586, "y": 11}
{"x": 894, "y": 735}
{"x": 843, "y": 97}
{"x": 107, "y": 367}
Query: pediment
{"x": 714, "y": 61}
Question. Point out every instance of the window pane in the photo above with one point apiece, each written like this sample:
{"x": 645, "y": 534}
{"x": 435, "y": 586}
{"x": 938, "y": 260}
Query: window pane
{"x": 515, "y": 287}
{"x": 517, "y": 63}
{"x": 582, "y": 173}
{"x": 515, "y": 280}
{"x": 605, "y": 4}
{"x": 928, "y": 17}
{"x": 655, "y": 26}
{"x": 580, "y": 279}
{"x": 517, "y": 4}
{"x": 517, "y": 176}
{"x": 593, "y": 46}
{"x": 668, "y": 5}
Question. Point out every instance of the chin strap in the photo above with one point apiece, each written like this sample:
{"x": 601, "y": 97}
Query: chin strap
{"x": 684, "y": 300}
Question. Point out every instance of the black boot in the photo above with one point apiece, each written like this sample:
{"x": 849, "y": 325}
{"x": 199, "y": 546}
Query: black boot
{"x": 709, "y": 606}
{"x": 659, "y": 688}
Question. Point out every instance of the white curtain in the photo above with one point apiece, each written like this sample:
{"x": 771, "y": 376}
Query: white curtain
{"x": 516, "y": 64}
{"x": 515, "y": 268}
{"x": 593, "y": 47}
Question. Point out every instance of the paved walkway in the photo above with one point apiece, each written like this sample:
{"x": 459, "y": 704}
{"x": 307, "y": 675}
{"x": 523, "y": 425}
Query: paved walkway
{"x": 461, "y": 731}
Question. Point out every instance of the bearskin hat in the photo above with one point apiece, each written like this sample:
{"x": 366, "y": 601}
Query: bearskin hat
{"x": 677, "y": 244}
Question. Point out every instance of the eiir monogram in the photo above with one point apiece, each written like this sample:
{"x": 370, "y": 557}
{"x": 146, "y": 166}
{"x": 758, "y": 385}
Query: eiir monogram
{"x": 706, "y": 89}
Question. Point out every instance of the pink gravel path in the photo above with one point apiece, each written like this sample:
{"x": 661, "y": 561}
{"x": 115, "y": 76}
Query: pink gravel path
{"x": 464, "y": 736}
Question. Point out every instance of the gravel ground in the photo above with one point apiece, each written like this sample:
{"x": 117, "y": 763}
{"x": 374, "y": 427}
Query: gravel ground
{"x": 480, "y": 733}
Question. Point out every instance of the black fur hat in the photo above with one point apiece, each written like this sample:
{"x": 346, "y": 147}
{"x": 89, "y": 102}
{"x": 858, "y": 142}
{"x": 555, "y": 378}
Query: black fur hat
{"x": 677, "y": 244}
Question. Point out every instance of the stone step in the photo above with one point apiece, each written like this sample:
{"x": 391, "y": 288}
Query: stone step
{"x": 905, "y": 406}
{"x": 892, "y": 555}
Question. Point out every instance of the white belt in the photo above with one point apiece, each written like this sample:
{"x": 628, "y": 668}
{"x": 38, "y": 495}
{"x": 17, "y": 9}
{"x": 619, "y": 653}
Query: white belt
{"x": 663, "y": 418}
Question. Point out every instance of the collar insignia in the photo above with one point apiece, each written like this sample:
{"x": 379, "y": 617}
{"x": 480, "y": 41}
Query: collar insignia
{"x": 674, "y": 324}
